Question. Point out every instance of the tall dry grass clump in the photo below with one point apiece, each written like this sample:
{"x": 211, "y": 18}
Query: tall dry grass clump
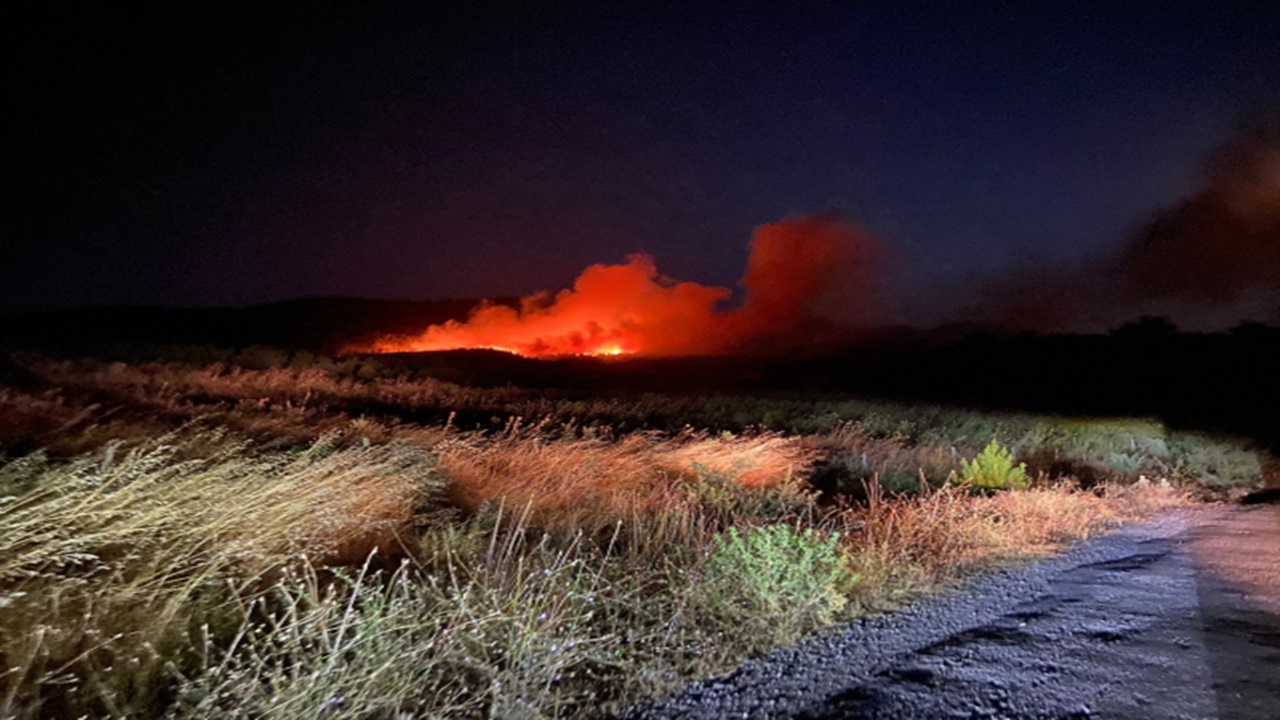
{"x": 591, "y": 484}
{"x": 904, "y": 547}
{"x": 109, "y": 562}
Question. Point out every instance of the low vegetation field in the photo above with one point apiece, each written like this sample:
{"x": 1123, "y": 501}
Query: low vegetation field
{"x": 315, "y": 539}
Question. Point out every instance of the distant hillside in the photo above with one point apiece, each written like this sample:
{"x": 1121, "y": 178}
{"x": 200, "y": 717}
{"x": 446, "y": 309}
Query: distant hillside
{"x": 315, "y": 324}
{"x": 1224, "y": 381}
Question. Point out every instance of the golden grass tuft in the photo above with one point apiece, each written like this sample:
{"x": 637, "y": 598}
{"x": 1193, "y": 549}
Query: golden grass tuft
{"x": 593, "y": 483}
{"x": 102, "y": 558}
{"x": 908, "y": 546}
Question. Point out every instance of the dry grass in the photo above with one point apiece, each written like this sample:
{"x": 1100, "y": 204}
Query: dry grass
{"x": 171, "y": 383}
{"x": 57, "y": 425}
{"x": 102, "y": 559}
{"x": 592, "y": 484}
{"x": 82, "y": 418}
{"x": 137, "y": 578}
{"x": 196, "y": 543}
{"x": 908, "y": 546}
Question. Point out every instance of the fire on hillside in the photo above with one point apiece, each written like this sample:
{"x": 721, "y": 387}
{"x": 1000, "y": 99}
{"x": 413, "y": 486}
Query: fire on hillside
{"x": 806, "y": 275}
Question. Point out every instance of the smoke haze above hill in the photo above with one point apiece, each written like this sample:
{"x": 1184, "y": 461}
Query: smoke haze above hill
{"x": 1206, "y": 262}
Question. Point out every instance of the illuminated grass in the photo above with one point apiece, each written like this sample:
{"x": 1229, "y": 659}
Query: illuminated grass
{"x": 906, "y": 546}
{"x": 211, "y": 541}
{"x": 106, "y": 561}
{"x": 591, "y": 484}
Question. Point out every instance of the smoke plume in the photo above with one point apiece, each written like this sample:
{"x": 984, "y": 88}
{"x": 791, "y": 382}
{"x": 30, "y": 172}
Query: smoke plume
{"x": 1224, "y": 242}
{"x": 1209, "y": 261}
{"x": 808, "y": 279}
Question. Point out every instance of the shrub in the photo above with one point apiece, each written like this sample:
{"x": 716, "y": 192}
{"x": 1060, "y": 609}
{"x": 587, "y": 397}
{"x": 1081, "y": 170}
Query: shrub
{"x": 725, "y": 501}
{"x": 1124, "y": 463}
{"x": 776, "y": 579}
{"x": 994, "y": 469}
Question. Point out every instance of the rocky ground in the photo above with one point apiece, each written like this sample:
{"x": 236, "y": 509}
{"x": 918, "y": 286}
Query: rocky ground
{"x": 1175, "y": 618}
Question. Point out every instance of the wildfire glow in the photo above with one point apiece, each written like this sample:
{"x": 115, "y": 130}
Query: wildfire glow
{"x": 803, "y": 272}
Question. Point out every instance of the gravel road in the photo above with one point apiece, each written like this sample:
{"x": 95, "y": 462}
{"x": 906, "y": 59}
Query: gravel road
{"x": 1176, "y": 618}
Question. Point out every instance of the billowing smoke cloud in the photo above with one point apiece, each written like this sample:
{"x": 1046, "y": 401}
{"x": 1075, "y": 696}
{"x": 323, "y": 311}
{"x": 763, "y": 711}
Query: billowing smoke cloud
{"x": 811, "y": 267}
{"x": 611, "y": 309}
{"x": 1210, "y": 261}
{"x": 808, "y": 278}
{"x": 1221, "y": 244}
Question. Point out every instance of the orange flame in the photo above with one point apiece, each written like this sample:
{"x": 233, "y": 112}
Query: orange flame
{"x": 803, "y": 272}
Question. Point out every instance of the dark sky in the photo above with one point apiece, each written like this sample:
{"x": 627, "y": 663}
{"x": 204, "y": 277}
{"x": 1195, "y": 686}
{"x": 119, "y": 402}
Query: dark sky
{"x": 212, "y": 154}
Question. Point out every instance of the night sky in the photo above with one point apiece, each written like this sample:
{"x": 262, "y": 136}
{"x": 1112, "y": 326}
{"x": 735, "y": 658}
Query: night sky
{"x": 213, "y": 154}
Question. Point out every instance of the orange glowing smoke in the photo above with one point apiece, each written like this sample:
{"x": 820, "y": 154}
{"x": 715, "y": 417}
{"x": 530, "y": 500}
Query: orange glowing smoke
{"x": 610, "y": 310}
{"x": 805, "y": 275}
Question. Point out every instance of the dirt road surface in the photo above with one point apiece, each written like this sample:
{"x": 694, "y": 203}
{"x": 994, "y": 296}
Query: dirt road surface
{"x": 1175, "y": 618}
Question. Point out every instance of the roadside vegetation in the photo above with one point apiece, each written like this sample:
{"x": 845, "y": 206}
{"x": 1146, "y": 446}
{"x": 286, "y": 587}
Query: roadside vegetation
{"x": 259, "y": 540}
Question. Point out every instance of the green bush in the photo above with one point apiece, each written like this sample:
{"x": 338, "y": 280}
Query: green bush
{"x": 1214, "y": 462}
{"x": 777, "y": 580}
{"x": 994, "y": 469}
{"x": 724, "y": 501}
{"x": 1124, "y": 463}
